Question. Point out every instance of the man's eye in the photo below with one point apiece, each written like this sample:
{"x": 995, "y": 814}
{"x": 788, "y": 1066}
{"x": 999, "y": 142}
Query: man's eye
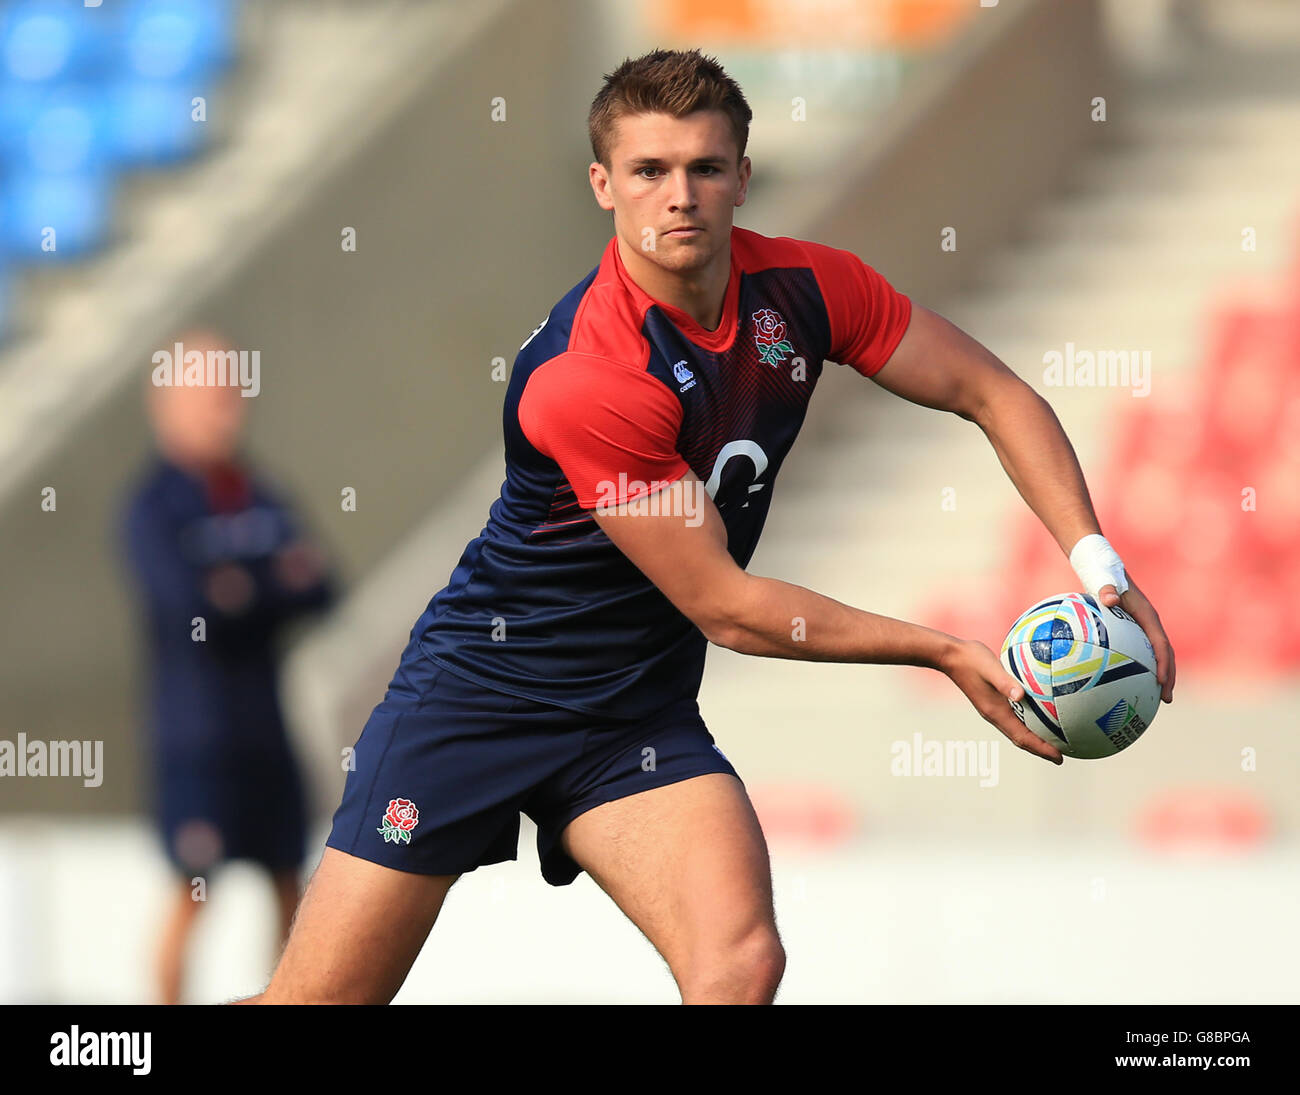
{"x": 707, "y": 170}
{"x": 643, "y": 171}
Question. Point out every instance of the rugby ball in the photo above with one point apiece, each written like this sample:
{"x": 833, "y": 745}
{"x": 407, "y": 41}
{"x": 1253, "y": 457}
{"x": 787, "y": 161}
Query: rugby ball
{"x": 1088, "y": 673}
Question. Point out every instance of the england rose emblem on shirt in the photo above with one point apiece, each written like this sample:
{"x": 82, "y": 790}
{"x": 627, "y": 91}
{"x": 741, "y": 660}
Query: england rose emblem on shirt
{"x": 399, "y": 819}
{"x": 769, "y": 337}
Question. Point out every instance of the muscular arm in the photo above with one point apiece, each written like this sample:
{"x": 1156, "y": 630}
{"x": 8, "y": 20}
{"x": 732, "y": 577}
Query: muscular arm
{"x": 688, "y": 561}
{"x": 938, "y": 365}
{"x": 751, "y": 614}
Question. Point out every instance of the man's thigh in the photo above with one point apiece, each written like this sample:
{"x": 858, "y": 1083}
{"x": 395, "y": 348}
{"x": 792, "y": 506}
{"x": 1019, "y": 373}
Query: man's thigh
{"x": 686, "y": 862}
{"x": 357, "y": 932}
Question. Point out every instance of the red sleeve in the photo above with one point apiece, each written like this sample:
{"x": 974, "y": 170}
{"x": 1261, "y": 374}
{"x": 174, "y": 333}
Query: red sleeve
{"x": 612, "y": 428}
{"x": 868, "y": 315}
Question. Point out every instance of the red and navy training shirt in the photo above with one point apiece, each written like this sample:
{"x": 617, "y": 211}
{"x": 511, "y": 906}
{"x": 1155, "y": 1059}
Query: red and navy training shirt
{"x": 612, "y": 396}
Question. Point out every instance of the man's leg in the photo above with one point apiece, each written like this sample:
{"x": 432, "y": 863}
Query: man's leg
{"x": 357, "y": 932}
{"x": 174, "y": 940}
{"x": 688, "y": 865}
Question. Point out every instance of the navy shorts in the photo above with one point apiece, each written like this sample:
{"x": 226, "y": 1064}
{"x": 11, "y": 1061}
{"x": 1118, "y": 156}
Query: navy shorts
{"x": 217, "y": 805}
{"x": 445, "y": 766}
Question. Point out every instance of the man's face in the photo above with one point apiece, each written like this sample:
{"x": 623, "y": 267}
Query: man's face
{"x": 198, "y": 425}
{"x": 672, "y": 184}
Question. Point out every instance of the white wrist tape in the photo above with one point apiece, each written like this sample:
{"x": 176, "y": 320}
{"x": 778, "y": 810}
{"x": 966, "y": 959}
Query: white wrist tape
{"x": 1097, "y": 564}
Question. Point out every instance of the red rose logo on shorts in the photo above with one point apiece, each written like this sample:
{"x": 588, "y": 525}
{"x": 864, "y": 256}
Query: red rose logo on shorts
{"x": 400, "y": 818}
{"x": 769, "y": 337}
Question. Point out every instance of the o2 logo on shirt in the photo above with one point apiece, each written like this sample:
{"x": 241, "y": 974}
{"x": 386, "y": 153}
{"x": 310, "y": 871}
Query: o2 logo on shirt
{"x": 743, "y": 447}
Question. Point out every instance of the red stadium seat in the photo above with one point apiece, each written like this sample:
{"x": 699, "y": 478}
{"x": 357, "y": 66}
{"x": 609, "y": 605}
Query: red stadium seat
{"x": 808, "y": 814}
{"x": 1204, "y": 819}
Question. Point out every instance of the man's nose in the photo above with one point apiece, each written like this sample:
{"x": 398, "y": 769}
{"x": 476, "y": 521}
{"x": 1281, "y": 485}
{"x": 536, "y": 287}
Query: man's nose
{"x": 682, "y": 194}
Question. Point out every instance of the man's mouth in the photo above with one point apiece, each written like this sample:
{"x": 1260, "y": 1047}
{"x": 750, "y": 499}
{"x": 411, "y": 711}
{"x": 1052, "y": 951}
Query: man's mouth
{"x": 686, "y": 230}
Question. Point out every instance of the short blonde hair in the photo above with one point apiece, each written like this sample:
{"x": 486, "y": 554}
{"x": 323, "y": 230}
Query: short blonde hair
{"x": 675, "y": 82}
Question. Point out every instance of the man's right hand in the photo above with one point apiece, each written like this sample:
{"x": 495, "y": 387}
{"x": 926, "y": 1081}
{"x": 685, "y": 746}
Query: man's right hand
{"x": 230, "y": 588}
{"x": 976, "y": 670}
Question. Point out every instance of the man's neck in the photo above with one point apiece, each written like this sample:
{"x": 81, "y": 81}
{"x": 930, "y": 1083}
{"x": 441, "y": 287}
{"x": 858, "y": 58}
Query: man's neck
{"x": 194, "y": 466}
{"x": 699, "y": 293}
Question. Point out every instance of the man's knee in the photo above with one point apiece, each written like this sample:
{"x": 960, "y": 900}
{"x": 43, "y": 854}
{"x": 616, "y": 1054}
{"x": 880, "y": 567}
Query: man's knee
{"x": 746, "y": 970}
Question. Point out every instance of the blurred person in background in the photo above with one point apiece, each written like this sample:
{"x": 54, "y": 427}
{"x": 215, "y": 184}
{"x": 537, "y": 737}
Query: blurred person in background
{"x": 222, "y": 565}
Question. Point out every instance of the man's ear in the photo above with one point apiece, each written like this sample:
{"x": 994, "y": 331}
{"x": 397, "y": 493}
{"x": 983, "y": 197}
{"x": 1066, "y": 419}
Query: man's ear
{"x": 599, "y": 178}
{"x": 746, "y": 169}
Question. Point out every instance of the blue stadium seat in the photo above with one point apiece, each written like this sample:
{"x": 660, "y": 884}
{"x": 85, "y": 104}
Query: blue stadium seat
{"x": 76, "y": 206}
{"x": 54, "y": 130}
{"x": 175, "y": 39}
{"x": 150, "y": 123}
{"x": 44, "y": 41}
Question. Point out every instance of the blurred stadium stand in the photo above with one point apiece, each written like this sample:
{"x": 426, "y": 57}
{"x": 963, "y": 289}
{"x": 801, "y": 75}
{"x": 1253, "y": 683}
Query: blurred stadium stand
{"x": 921, "y": 114}
{"x": 375, "y": 363}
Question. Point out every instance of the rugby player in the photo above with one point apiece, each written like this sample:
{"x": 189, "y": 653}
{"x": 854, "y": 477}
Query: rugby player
{"x": 646, "y": 420}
